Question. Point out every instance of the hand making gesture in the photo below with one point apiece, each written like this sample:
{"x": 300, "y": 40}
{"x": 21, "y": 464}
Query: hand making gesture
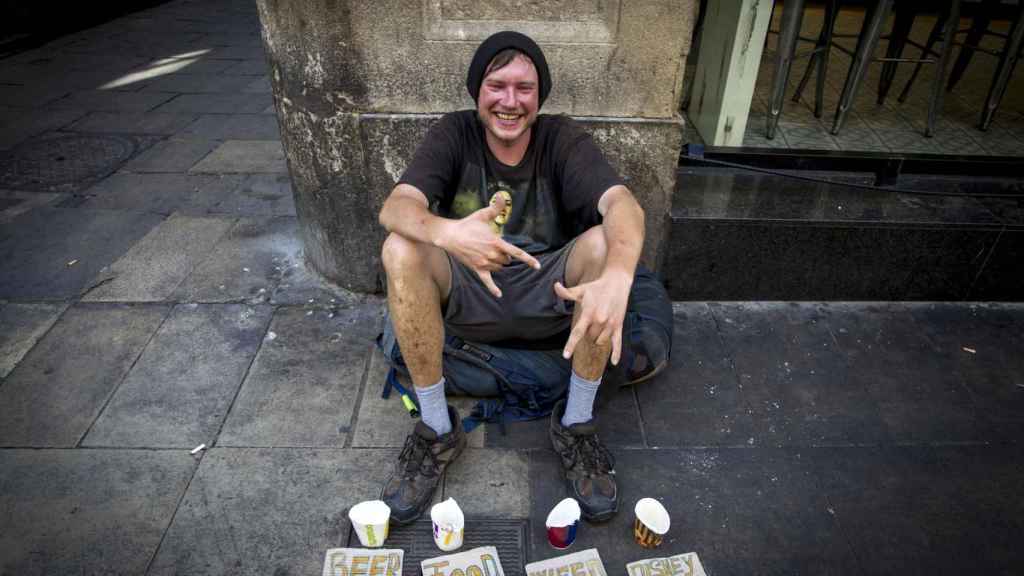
{"x": 474, "y": 242}
{"x": 602, "y": 309}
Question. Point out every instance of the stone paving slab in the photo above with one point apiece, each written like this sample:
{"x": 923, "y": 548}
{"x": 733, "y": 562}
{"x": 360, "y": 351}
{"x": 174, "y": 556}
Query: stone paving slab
{"x": 28, "y": 96}
{"x": 698, "y": 400}
{"x": 87, "y": 511}
{"x": 58, "y": 390}
{"x": 23, "y": 326}
{"x": 920, "y": 395}
{"x": 268, "y": 511}
{"x": 172, "y": 155}
{"x": 260, "y": 86}
{"x": 115, "y": 101}
{"x": 742, "y": 511}
{"x": 384, "y": 423}
{"x": 251, "y": 67}
{"x": 16, "y": 203}
{"x": 134, "y": 122}
{"x": 984, "y": 343}
{"x": 245, "y": 265}
{"x": 904, "y": 509}
{"x": 192, "y": 194}
{"x": 305, "y": 381}
{"x": 245, "y": 156}
{"x": 32, "y": 123}
{"x": 234, "y": 127}
{"x": 153, "y": 267}
{"x": 490, "y": 483}
{"x": 196, "y": 83}
{"x": 178, "y": 393}
{"x": 58, "y": 251}
{"x": 794, "y": 377}
{"x": 216, "y": 104}
{"x": 257, "y": 195}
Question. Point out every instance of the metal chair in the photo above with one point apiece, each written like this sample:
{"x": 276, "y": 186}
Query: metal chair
{"x": 867, "y": 41}
{"x": 1008, "y": 56}
{"x": 785, "y": 54}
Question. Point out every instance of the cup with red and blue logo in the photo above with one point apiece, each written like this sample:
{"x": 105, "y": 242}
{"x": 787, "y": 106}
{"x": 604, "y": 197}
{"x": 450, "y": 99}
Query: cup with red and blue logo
{"x": 562, "y": 523}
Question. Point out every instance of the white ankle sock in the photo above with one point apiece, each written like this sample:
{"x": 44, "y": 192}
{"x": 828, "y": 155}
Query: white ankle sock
{"x": 580, "y": 405}
{"x": 434, "y": 408}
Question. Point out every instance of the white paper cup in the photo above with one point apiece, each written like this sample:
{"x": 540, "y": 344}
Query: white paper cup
{"x": 651, "y": 524}
{"x": 370, "y": 520}
{"x": 449, "y": 524}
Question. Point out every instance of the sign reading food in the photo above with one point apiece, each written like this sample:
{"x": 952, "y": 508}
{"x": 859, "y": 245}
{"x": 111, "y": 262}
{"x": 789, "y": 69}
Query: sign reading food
{"x": 363, "y": 562}
{"x": 584, "y": 563}
{"x": 680, "y": 565}
{"x": 481, "y": 561}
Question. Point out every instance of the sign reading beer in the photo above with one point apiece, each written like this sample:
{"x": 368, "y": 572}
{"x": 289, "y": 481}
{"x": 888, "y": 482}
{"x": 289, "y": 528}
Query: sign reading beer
{"x": 363, "y": 562}
{"x": 585, "y": 563}
{"x": 476, "y": 562}
{"x": 680, "y": 565}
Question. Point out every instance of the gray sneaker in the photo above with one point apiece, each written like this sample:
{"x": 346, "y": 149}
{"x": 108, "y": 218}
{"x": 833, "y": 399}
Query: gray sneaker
{"x": 589, "y": 467}
{"x": 423, "y": 460}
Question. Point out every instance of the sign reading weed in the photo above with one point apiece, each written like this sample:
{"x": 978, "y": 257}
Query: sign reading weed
{"x": 584, "y": 563}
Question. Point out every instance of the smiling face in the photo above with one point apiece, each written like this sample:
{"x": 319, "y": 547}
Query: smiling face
{"x": 508, "y": 103}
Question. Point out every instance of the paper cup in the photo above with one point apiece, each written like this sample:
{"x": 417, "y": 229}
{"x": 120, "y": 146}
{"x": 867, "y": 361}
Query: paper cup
{"x": 370, "y": 520}
{"x": 651, "y": 524}
{"x": 449, "y": 524}
{"x": 562, "y": 522}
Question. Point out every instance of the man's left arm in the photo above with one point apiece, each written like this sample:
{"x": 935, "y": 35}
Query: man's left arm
{"x": 604, "y": 299}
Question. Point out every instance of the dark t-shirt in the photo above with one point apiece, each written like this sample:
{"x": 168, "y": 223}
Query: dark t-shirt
{"x": 554, "y": 190}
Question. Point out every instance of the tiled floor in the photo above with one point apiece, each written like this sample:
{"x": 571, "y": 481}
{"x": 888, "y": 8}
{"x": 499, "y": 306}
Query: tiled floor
{"x": 891, "y": 127}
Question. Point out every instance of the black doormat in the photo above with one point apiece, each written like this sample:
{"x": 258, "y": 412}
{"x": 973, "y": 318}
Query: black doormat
{"x": 417, "y": 539}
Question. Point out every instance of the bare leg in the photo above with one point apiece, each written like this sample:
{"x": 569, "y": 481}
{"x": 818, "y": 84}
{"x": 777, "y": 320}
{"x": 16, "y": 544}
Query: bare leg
{"x": 585, "y": 263}
{"x": 419, "y": 280}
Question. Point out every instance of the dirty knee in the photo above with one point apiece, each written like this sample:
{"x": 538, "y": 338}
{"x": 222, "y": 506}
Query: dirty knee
{"x": 401, "y": 254}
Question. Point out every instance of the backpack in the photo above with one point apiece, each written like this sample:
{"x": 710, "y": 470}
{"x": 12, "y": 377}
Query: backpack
{"x": 516, "y": 384}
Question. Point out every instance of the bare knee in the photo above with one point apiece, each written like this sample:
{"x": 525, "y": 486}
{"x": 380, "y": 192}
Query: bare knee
{"x": 400, "y": 254}
{"x": 588, "y": 256}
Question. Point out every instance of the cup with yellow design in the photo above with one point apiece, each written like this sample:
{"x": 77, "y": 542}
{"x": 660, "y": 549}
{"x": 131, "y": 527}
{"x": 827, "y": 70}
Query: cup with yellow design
{"x": 651, "y": 524}
{"x": 449, "y": 524}
{"x": 370, "y": 520}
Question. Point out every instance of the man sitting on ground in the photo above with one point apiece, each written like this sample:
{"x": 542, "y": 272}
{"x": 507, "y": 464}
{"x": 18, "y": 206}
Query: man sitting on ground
{"x": 509, "y": 227}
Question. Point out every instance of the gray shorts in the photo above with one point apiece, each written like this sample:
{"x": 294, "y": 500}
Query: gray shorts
{"x": 529, "y": 309}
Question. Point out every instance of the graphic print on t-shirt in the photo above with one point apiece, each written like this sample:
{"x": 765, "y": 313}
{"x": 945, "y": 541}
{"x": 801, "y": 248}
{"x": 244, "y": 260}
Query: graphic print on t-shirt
{"x": 499, "y": 221}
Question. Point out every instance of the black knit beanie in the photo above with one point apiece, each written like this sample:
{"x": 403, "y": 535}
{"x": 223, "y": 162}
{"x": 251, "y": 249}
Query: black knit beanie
{"x": 496, "y": 43}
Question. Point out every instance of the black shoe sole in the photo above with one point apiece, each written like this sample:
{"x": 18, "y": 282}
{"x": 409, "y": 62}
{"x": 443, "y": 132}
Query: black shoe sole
{"x": 598, "y": 518}
{"x": 657, "y": 370}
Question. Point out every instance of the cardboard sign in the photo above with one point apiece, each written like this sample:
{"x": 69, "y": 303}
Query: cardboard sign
{"x": 585, "y": 563}
{"x": 363, "y": 562}
{"x": 476, "y": 562}
{"x": 681, "y": 565}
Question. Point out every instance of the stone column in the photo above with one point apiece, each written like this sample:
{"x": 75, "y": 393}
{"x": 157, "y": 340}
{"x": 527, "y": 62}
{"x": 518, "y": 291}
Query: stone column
{"x": 357, "y": 84}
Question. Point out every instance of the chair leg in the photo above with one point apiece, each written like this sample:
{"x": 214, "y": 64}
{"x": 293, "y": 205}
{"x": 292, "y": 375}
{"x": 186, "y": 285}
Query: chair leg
{"x": 866, "y": 44}
{"x": 932, "y": 39}
{"x": 820, "y": 53}
{"x": 831, "y": 13}
{"x": 792, "y": 16}
{"x": 1007, "y": 62}
{"x": 979, "y": 25}
{"x": 696, "y": 42}
{"x": 904, "y": 21}
{"x": 945, "y": 55}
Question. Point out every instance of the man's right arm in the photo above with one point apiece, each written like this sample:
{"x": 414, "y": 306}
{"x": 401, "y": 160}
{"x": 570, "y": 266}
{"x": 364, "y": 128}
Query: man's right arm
{"x": 406, "y": 213}
{"x": 470, "y": 240}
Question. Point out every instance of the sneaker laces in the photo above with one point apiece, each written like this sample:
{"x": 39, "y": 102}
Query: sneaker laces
{"x": 595, "y": 458}
{"x": 413, "y": 456}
